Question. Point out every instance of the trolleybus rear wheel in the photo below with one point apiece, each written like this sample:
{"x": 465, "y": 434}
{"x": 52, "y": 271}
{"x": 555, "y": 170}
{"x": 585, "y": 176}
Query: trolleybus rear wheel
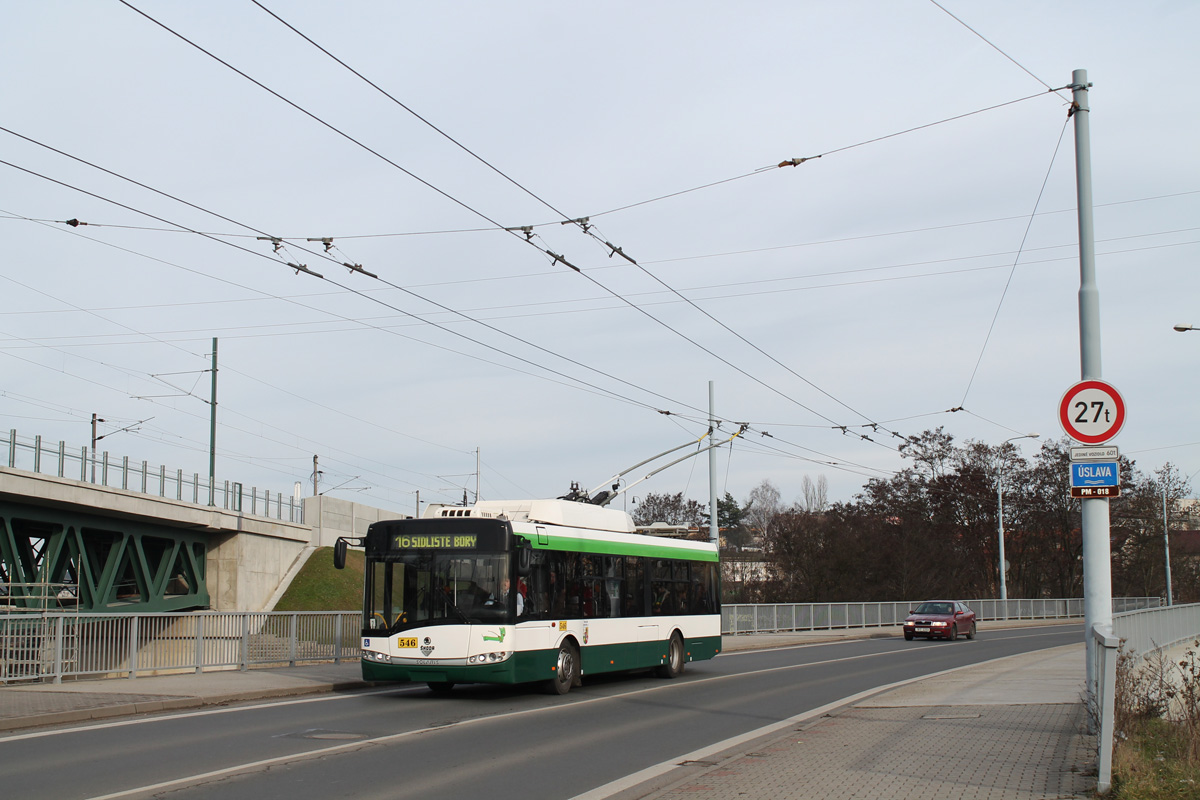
{"x": 674, "y": 666}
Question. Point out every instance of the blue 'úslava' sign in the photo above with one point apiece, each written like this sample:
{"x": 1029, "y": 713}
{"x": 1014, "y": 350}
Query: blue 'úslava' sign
{"x": 1095, "y": 473}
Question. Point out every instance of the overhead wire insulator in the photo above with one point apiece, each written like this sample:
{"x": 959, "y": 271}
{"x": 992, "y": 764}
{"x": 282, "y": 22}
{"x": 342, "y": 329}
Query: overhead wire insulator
{"x": 275, "y": 241}
{"x": 557, "y": 258}
{"x": 302, "y": 268}
{"x": 525, "y": 229}
{"x": 325, "y": 240}
{"x": 795, "y": 162}
{"x": 616, "y": 251}
{"x": 358, "y": 268}
{"x": 582, "y": 222}
{"x": 74, "y": 223}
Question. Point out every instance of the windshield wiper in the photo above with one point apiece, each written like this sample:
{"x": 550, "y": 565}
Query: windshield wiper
{"x": 445, "y": 595}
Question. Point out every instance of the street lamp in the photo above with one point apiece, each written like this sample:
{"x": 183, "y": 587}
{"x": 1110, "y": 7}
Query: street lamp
{"x": 1000, "y": 516}
{"x": 1181, "y": 328}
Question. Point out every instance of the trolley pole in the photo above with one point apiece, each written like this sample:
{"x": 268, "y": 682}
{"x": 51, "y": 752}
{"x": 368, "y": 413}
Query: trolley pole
{"x": 1097, "y": 559}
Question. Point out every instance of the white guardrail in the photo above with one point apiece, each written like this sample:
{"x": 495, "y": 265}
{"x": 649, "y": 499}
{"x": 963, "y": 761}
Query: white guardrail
{"x": 1142, "y": 632}
{"x": 50, "y": 646}
{"x": 785, "y": 617}
{"x": 53, "y": 645}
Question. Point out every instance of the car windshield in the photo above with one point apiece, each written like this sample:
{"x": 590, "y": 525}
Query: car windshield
{"x": 935, "y": 608}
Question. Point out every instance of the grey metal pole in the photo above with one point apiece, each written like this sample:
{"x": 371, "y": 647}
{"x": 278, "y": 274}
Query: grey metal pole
{"x": 1000, "y": 512}
{"x": 1097, "y": 559}
{"x": 212, "y": 429}
{"x": 714, "y": 528}
{"x": 95, "y": 419}
{"x": 1167, "y": 539}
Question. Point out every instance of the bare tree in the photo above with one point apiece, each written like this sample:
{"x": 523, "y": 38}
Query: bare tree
{"x": 762, "y": 508}
{"x": 816, "y": 496}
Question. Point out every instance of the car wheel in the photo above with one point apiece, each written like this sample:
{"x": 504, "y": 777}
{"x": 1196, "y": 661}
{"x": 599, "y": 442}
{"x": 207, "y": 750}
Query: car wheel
{"x": 908, "y": 637}
{"x": 953, "y": 633}
{"x": 971, "y": 633}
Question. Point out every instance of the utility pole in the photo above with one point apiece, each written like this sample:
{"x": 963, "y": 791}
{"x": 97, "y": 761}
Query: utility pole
{"x": 476, "y": 475}
{"x": 95, "y": 419}
{"x": 1167, "y": 536}
{"x": 316, "y": 472}
{"x": 212, "y": 431}
{"x": 1097, "y": 558}
{"x": 714, "y": 527}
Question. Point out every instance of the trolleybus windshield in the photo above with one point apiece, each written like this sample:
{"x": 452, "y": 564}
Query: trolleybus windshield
{"x": 411, "y": 588}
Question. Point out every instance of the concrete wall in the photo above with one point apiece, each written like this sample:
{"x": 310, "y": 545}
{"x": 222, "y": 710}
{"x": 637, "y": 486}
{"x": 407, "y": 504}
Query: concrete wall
{"x": 332, "y": 517}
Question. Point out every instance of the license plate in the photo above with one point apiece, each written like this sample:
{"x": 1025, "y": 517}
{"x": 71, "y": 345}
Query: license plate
{"x": 410, "y": 642}
{"x": 922, "y": 630}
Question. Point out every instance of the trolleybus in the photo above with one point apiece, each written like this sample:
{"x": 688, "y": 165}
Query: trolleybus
{"x": 534, "y": 590}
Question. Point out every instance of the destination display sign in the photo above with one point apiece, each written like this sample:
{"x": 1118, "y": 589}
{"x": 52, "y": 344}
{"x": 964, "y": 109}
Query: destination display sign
{"x": 460, "y": 541}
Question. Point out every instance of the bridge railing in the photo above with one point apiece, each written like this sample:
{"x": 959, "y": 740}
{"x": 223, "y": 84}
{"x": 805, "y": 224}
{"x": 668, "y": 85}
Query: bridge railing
{"x": 1139, "y": 633}
{"x": 44, "y": 458}
{"x": 53, "y": 646}
{"x": 785, "y": 617}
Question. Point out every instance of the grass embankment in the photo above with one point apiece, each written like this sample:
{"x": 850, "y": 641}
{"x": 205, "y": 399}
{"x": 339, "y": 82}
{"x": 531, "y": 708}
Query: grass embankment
{"x": 320, "y": 587}
{"x": 1157, "y": 752}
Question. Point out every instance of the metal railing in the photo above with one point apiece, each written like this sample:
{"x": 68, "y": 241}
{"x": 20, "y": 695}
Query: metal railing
{"x": 1153, "y": 629}
{"x": 1106, "y": 652}
{"x": 785, "y": 617}
{"x": 1141, "y": 632}
{"x": 33, "y": 455}
{"x": 52, "y": 646}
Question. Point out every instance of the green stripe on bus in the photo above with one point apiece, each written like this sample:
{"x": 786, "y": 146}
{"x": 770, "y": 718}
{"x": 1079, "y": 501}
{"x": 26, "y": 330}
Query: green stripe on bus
{"x": 573, "y": 545}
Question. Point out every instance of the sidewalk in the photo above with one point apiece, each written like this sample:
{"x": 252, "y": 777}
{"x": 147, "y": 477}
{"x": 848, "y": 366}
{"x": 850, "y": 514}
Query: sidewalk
{"x": 1010, "y": 728}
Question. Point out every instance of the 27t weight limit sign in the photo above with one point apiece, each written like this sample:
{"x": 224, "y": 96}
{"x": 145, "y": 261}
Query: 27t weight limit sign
{"x": 1092, "y": 412}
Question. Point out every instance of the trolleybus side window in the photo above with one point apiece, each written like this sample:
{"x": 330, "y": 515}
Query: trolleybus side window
{"x": 633, "y": 600}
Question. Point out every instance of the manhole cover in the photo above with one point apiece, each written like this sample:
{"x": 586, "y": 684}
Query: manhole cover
{"x": 341, "y": 736}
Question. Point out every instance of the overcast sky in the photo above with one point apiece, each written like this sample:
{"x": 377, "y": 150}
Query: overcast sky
{"x": 877, "y": 287}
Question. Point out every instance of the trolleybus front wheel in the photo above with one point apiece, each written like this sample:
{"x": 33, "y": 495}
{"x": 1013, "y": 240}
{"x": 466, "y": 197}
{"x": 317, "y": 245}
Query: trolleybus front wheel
{"x": 566, "y": 670}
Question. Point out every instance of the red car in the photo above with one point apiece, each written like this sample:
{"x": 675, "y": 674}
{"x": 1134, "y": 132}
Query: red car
{"x": 944, "y": 619}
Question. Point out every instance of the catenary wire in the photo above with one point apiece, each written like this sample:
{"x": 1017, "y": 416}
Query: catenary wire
{"x": 1016, "y": 260}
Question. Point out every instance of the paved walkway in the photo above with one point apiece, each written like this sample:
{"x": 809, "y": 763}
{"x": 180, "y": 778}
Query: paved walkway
{"x": 1010, "y": 729}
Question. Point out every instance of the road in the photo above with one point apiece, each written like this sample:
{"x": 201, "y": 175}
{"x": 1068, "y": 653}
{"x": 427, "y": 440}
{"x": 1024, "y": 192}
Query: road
{"x": 487, "y": 741}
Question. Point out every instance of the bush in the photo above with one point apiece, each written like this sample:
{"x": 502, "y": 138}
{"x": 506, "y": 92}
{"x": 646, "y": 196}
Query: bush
{"x": 1156, "y": 752}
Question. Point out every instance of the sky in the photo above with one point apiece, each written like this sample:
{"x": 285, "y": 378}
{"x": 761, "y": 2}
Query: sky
{"x": 922, "y": 258}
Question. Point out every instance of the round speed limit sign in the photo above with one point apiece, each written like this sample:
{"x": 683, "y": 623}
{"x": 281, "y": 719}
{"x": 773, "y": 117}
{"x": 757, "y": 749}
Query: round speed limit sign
{"x": 1091, "y": 412}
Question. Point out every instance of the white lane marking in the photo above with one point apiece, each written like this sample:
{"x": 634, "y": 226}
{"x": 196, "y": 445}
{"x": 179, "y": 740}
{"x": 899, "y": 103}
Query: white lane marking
{"x": 728, "y": 653}
{"x": 398, "y": 689}
{"x": 649, "y": 773}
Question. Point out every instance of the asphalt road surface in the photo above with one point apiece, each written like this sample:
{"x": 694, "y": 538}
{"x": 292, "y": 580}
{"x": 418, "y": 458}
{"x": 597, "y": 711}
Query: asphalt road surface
{"x": 481, "y": 741}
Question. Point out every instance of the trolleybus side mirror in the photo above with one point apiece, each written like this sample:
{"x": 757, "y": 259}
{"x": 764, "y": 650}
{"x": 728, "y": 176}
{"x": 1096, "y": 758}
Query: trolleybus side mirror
{"x": 339, "y": 554}
{"x": 524, "y": 557}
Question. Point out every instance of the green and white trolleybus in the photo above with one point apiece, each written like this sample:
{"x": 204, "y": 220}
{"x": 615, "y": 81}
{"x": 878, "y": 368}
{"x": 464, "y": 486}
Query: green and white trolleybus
{"x": 534, "y": 590}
